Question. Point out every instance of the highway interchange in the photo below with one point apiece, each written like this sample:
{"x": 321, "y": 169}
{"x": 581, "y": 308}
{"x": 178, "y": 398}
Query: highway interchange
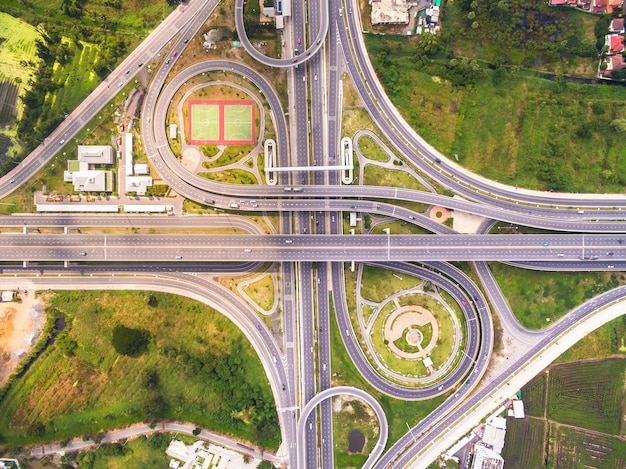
{"x": 311, "y": 243}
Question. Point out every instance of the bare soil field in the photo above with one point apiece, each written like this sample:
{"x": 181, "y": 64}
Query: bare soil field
{"x": 20, "y": 325}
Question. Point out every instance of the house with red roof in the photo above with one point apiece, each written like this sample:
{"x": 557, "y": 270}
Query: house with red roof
{"x": 614, "y": 43}
{"x": 613, "y": 62}
{"x": 599, "y": 6}
{"x": 617, "y": 26}
{"x": 614, "y": 5}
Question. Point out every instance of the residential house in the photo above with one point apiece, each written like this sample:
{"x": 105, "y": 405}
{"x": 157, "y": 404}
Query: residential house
{"x": 617, "y": 26}
{"x": 599, "y": 6}
{"x": 614, "y": 44}
{"x": 614, "y": 5}
{"x": 584, "y": 4}
{"x": 614, "y": 62}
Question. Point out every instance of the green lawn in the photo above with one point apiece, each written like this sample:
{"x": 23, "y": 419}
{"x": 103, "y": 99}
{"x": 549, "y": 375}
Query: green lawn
{"x": 205, "y": 371}
{"x": 378, "y": 283}
{"x": 372, "y": 150}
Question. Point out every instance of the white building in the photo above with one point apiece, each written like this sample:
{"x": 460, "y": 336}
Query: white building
{"x": 141, "y": 169}
{"x": 128, "y": 153}
{"x": 173, "y": 132}
{"x": 138, "y": 184}
{"x": 485, "y": 458}
{"x": 95, "y": 154}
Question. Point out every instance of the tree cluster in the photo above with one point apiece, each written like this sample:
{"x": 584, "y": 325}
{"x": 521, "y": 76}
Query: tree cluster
{"x": 542, "y": 33}
{"x": 129, "y": 341}
{"x": 227, "y": 377}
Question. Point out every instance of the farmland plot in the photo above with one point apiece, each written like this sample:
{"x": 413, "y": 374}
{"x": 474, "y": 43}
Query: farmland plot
{"x": 534, "y": 394}
{"x": 18, "y": 60}
{"x": 523, "y": 446}
{"x": 578, "y": 448}
{"x": 75, "y": 79}
{"x": 588, "y": 394}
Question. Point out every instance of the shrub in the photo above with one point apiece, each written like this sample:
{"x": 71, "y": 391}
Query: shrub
{"x": 128, "y": 341}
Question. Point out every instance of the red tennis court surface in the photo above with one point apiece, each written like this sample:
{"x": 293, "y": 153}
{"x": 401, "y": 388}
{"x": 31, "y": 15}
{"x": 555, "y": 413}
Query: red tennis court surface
{"x": 220, "y": 122}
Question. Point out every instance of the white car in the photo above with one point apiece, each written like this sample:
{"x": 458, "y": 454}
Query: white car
{"x": 179, "y": 257}
{"x": 247, "y": 251}
{"x": 82, "y": 253}
{"x": 289, "y": 241}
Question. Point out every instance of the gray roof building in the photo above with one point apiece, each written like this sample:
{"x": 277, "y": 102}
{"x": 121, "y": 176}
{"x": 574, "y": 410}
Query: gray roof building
{"x": 95, "y": 154}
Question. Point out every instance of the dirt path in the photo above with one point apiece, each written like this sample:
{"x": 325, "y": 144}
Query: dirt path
{"x": 20, "y": 324}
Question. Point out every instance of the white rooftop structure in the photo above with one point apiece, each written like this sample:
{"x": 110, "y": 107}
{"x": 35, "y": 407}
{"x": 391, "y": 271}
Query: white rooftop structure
{"x": 128, "y": 153}
{"x": 142, "y": 169}
{"x": 138, "y": 184}
{"x": 173, "y": 132}
{"x": 485, "y": 458}
{"x": 498, "y": 422}
{"x": 90, "y": 180}
{"x": 286, "y": 7}
{"x": 518, "y": 409}
{"x": 280, "y": 23}
{"x": 8, "y": 296}
{"x": 390, "y": 12}
{"x": 494, "y": 437}
{"x": 95, "y": 154}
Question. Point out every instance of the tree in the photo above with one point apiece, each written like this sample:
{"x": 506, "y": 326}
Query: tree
{"x": 153, "y": 406}
{"x": 148, "y": 378}
{"x": 128, "y": 341}
{"x": 196, "y": 431}
{"x": 618, "y": 125}
{"x": 67, "y": 344}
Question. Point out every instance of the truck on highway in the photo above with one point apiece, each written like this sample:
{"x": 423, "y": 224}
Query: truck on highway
{"x": 287, "y": 189}
{"x": 233, "y": 205}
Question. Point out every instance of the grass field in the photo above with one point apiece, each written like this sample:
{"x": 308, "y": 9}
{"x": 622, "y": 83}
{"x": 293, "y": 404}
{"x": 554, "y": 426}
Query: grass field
{"x": 378, "y": 176}
{"x": 581, "y": 449}
{"x": 523, "y": 446}
{"x": 609, "y": 339}
{"x": 370, "y": 149}
{"x": 378, "y": 284}
{"x": 354, "y": 415}
{"x": 205, "y": 371}
{"x": 588, "y": 394}
{"x": 536, "y": 296}
{"x": 525, "y": 131}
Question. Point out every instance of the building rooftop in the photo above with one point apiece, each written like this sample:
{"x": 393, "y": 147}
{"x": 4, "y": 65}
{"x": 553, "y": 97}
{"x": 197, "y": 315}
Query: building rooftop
{"x": 95, "y": 154}
{"x": 485, "y": 458}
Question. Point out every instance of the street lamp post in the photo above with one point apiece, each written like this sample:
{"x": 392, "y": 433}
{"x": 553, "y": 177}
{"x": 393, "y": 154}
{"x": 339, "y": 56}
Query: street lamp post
{"x": 387, "y": 230}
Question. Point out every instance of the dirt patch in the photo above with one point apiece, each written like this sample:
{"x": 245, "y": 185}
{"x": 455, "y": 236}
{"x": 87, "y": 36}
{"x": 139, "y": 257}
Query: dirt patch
{"x": 20, "y": 325}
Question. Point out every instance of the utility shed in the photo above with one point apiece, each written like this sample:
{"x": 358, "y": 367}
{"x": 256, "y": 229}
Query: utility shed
{"x": 173, "y": 132}
{"x": 518, "y": 409}
{"x": 8, "y": 296}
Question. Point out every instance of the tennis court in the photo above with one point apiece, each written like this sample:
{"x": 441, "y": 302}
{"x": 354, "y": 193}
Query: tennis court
{"x": 221, "y": 122}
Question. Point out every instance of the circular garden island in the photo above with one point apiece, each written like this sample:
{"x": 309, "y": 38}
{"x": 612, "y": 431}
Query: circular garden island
{"x": 416, "y": 337}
